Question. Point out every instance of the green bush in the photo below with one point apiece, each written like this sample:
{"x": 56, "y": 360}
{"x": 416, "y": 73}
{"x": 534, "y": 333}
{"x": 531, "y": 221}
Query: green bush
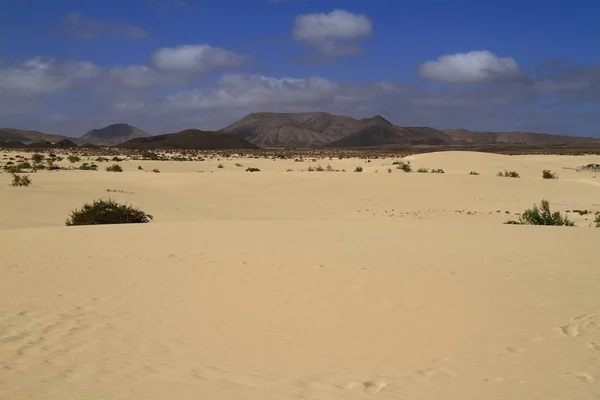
{"x": 252, "y": 169}
{"x": 437, "y": 171}
{"x": 358, "y": 169}
{"x": 543, "y": 216}
{"x": 150, "y": 155}
{"x": 114, "y": 168}
{"x": 509, "y": 174}
{"x": 547, "y": 174}
{"x": 103, "y": 212}
{"x": 88, "y": 167}
{"x": 73, "y": 159}
{"x": 597, "y": 221}
{"x": 19, "y": 180}
{"x": 403, "y": 165}
{"x": 37, "y": 158}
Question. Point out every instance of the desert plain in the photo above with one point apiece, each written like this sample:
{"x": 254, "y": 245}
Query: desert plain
{"x": 295, "y": 284}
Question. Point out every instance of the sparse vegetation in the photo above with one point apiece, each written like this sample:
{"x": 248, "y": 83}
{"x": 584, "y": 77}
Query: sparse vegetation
{"x": 509, "y": 174}
{"x": 437, "y": 171}
{"x": 473, "y": 173}
{"x": 582, "y": 212}
{"x": 252, "y": 169}
{"x": 114, "y": 168}
{"x": 542, "y": 216}
{"x": 73, "y": 159}
{"x": 88, "y": 167}
{"x": 156, "y": 171}
{"x": 238, "y": 165}
{"x": 403, "y": 165}
{"x": 422, "y": 170}
{"x": 20, "y": 180}
{"x": 140, "y": 168}
{"x": 389, "y": 170}
{"x": 103, "y": 212}
{"x": 547, "y": 174}
{"x": 597, "y": 220}
{"x": 37, "y": 158}
{"x": 220, "y": 166}
{"x": 358, "y": 169}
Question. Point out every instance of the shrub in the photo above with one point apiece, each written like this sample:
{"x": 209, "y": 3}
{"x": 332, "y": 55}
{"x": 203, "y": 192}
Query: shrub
{"x": 117, "y": 159}
{"x": 509, "y": 174}
{"x": 252, "y": 169}
{"x": 156, "y": 170}
{"x": 543, "y": 216}
{"x": 547, "y": 174}
{"x": 238, "y": 165}
{"x": 140, "y": 168}
{"x": 423, "y": 170}
{"x": 597, "y": 221}
{"x": 437, "y": 171}
{"x": 358, "y": 169}
{"x": 473, "y": 173}
{"x": 319, "y": 168}
{"x": 103, "y": 212}
{"x": 389, "y": 170}
{"x": 88, "y": 167}
{"x": 150, "y": 155}
{"x": 582, "y": 212}
{"x": 74, "y": 159}
{"x": 114, "y": 168}
{"x": 19, "y": 180}
{"x": 37, "y": 158}
{"x": 403, "y": 165}
{"x": 220, "y": 166}
{"x": 101, "y": 159}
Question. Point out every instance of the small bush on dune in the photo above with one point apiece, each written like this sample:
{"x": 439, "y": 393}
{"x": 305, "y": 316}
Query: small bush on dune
{"x": 543, "y": 216}
{"x": 140, "y": 168}
{"x": 104, "y": 212}
{"x": 251, "y": 169}
{"x": 358, "y": 169}
{"x": 473, "y": 173}
{"x": 597, "y": 221}
{"x": 114, "y": 168}
{"x": 19, "y": 180}
{"x": 547, "y": 174}
{"x": 423, "y": 170}
{"x": 156, "y": 170}
{"x": 37, "y": 158}
{"x": 403, "y": 165}
{"x": 509, "y": 174}
{"x": 88, "y": 167}
{"x": 437, "y": 171}
{"x": 74, "y": 159}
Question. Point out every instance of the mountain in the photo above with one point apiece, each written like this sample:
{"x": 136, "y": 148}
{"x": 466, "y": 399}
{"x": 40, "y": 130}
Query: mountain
{"x": 113, "y": 135}
{"x": 381, "y": 136}
{"x": 529, "y": 138}
{"x": 319, "y": 129}
{"x": 192, "y": 139}
{"x": 28, "y": 137}
{"x": 311, "y": 129}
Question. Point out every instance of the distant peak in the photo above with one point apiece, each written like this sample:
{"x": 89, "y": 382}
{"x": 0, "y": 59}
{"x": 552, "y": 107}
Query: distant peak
{"x": 377, "y": 119}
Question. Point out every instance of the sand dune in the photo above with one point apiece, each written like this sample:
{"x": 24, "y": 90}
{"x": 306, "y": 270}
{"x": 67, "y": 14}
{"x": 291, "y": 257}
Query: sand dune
{"x": 303, "y": 285}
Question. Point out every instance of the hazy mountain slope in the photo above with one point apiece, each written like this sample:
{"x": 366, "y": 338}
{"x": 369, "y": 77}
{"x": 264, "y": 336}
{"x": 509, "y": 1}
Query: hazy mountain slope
{"x": 113, "y": 135}
{"x": 190, "y": 139}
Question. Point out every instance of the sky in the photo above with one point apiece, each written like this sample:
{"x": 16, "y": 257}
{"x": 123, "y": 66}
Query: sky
{"x": 69, "y": 66}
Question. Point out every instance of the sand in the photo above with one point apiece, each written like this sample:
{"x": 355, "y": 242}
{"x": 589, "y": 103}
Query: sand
{"x": 303, "y": 285}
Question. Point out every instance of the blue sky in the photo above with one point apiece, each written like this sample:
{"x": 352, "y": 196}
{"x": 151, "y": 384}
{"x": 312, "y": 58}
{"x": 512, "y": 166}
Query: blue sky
{"x": 68, "y": 66}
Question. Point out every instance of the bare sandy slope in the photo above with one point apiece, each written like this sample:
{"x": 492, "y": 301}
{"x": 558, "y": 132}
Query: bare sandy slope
{"x": 319, "y": 302}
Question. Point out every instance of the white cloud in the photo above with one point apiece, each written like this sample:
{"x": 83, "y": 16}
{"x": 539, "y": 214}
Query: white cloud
{"x": 77, "y": 24}
{"x": 135, "y": 76}
{"x": 39, "y": 76}
{"x": 472, "y": 67}
{"x": 334, "y": 33}
{"x": 260, "y": 93}
{"x": 196, "y": 58}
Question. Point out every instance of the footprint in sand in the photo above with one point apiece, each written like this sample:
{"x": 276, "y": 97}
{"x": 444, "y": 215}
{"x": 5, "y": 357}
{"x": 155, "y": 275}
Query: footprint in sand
{"x": 577, "y": 325}
{"x": 370, "y": 387}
